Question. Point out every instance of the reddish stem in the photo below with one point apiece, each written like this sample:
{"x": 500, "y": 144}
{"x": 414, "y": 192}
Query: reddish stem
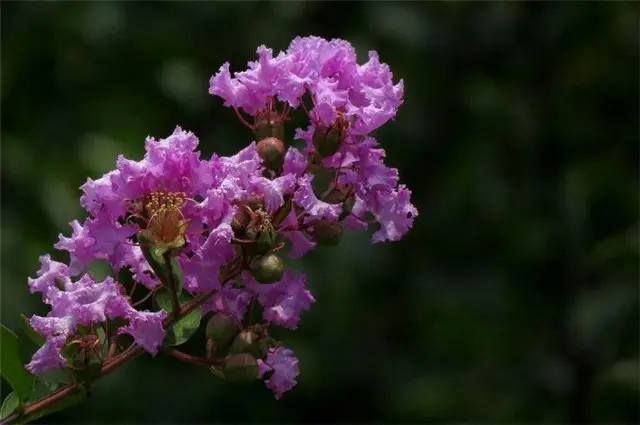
{"x": 305, "y": 108}
{"x": 200, "y": 361}
{"x": 146, "y": 297}
{"x": 112, "y": 348}
{"x": 244, "y": 121}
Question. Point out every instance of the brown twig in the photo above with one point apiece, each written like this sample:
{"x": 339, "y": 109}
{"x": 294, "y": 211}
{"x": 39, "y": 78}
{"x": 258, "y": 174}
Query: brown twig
{"x": 146, "y": 297}
{"x": 200, "y": 361}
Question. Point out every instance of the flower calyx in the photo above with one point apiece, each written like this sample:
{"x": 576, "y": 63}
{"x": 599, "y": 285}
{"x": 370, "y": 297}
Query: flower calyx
{"x": 328, "y": 139}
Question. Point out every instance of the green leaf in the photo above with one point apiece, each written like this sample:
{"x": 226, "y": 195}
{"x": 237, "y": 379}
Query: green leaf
{"x": 177, "y": 275}
{"x": 11, "y": 366}
{"x": 102, "y": 338}
{"x": 9, "y": 405}
{"x": 101, "y": 334}
{"x": 33, "y": 335}
{"x": 222, "y": 328}
{"x": 160, "y": 266}
{"x": 180, "y": 332}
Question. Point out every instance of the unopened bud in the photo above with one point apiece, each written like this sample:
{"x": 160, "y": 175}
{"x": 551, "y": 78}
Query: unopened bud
{"x": 264, "y": 241}
{"x": 241, "y": 368}
{"x": 327, "y": 140}
{"x": 267, "y": 269}
{"x": 327, "y": 233}
{"x": 222, "y": 328}
{"x": 272, "y": 151}
{"x": 248, "y": 341}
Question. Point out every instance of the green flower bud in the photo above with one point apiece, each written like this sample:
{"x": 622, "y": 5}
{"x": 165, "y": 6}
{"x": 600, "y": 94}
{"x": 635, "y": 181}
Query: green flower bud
{"x": 248, "y": 341}
{"x": 272, "y": 151}
{"x": 241, "y": 368}
{"x": 267, "y": 269}
{"x": 327, "y": 233}
{"x": 265, "y": 241}
{"x": 222, "y": 328}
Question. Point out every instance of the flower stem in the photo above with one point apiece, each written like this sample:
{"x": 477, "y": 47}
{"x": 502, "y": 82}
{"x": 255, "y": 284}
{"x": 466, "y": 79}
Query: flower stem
{"x": 200, "y": 361}
{"x": 175, "y": 303}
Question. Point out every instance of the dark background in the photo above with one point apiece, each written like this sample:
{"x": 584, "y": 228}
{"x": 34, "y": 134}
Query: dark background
{"x": 515, "y": 296}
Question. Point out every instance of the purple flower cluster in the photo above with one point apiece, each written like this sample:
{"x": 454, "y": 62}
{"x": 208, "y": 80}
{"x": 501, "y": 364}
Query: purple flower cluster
{"x": 84, "y": 302}
{"x": 349, "y": 99}
{"x": 225, "y": 219}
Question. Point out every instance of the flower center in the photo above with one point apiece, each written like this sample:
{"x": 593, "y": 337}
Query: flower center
{"x": 160, "y": 202}
{"x": 166, "y": 224}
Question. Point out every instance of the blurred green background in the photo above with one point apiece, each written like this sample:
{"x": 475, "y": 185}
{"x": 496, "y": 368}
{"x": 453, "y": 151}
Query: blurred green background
{"x": 515, "y": 296}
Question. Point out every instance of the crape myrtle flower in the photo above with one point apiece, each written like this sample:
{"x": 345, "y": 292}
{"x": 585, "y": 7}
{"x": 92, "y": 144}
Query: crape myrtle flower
{"x": 282, "y": 365}
{"x": 84, "y": 302}
{"x": 349, "y": 101}
{"x": 328, "y": 70}
{"x": 152, "y": 196}
{"x": 240, "y": 181}
{"x": 375, "y": 187}
{"x": 284, "y": 301}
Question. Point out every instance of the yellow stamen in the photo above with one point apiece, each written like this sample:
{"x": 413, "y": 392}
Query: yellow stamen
{"x": 166, "y": 226}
